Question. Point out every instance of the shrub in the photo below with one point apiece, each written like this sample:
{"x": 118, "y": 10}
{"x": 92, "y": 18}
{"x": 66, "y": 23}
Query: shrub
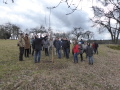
{"x": 115, "y": 47}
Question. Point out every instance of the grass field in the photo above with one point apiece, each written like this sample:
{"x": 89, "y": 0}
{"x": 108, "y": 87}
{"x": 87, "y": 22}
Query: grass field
{"x": 63, "y": 74}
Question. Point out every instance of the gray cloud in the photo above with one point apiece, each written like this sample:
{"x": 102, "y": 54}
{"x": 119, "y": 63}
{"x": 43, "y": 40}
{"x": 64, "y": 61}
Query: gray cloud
{"x": 33, "y": 13}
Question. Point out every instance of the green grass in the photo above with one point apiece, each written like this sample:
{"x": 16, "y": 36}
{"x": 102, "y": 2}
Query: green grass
{"x": 115, "y": 47}
{"x": 63, "y": 74}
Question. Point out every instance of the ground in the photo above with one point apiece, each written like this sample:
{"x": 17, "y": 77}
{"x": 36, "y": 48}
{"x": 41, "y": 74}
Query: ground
{"x": 63, "y": 74}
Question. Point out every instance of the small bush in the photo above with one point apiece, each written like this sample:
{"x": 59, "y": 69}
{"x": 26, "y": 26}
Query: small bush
{"x": 115, "y": 47}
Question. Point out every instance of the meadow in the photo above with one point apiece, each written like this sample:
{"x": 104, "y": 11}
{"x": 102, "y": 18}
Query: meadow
{"x": 63, "y": 74}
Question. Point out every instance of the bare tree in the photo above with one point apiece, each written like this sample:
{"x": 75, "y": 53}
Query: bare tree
{"x": 4, "y": 34}
{"x": 88, "y": 35}
{"x": 16, "y": 30}
{"x": 62, "y": 35}
{"x": 37, "y": 30}
{"x": 104, "y": 18}
{"x": 13, "y": 29}
{"x": 77, "y": 32}
{"x": 5, "y": 1}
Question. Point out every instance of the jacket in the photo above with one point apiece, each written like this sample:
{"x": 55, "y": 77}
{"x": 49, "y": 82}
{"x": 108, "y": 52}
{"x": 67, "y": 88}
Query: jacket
{"x": 89, "y": 51}
{"x": 76, "y": 49}
{"x": 65, "y": 44}
{"x": 57, "y": 44}
{"x": 46, "y": 43}
{"x": 21, "y": 42}
{"x": 27, "y": 42}
{"x": 37, "y": 43}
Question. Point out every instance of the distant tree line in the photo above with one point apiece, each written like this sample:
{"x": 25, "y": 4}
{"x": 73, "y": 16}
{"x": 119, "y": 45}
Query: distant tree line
{"x": 12, "y": 31}
{"x": 9, "y": 30}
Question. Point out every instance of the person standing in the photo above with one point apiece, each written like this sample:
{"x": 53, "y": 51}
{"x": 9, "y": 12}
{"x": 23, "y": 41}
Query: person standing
{"x": 81, "y": 51}
{"x": 37, "y": 46}
{"x": 57, "y": 45}
{"x": 96, "y": 47}
{"x": 65, "y": 46}
{"x": 27, "y": 45}
{"x": 46, "y": 45}
{"x": 32, "y": 39}
{"x": 21, "y": 44}
{"x": 75, "y": 50}
{"x": 89, "y": 52}
{"x": 84, "y": 48}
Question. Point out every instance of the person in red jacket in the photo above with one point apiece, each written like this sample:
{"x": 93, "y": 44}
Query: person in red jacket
{"x": 75, "y": 51}
{"x": 93, "y": 46}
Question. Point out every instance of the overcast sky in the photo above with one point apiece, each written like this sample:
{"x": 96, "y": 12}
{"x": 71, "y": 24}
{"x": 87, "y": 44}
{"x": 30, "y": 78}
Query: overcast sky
{"x": 33, "y": 13}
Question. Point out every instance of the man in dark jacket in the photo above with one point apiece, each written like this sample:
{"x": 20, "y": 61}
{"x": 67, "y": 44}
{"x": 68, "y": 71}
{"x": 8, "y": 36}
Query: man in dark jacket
{"x": 96, "y": 47}
{"x": 65, "y": 46}
{"x": 89, "y": 52}
{"x": 37, "y": 45}
{"x": 57, "y": 45}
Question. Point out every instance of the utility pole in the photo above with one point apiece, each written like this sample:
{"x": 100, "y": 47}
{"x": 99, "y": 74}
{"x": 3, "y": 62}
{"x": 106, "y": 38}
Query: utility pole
{"x": 51, "y": 34}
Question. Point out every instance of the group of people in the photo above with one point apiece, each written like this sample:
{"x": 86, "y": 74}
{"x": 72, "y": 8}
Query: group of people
{"x": 36, "y": 44}
{"x": 83, "y": 47}
{"x": 32, "y": 46}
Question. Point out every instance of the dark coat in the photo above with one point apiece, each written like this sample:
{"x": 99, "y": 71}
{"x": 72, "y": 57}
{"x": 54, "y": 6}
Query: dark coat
{"x": 96, "y": 45}
{"x": 57, "y": 44}
{"x": 89, "y": 51}
{"x": 37, "y": 43}
{"x": 65, "y": 44}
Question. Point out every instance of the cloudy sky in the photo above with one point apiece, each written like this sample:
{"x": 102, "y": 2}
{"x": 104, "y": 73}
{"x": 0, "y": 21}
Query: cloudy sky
{"x": 34, "y": 13}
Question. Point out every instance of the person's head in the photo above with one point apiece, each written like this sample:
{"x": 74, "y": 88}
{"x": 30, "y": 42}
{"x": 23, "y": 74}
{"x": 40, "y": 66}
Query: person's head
{"x": 21, "y": 35}
{"x": 75, "y": 42}
{"x": 36, "y": 36}
{"x": 85, "y": 43}
{"x": 88, "y": 44}
{"x": 26, "y": 35}
{"x": 57, "y": 38}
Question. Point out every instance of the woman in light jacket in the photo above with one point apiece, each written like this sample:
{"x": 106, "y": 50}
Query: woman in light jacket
{"x": 21, "y": 44}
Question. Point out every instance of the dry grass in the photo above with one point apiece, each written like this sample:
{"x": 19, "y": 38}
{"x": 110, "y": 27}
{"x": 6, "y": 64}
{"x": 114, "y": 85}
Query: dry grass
{"x": 63, "y": 74}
